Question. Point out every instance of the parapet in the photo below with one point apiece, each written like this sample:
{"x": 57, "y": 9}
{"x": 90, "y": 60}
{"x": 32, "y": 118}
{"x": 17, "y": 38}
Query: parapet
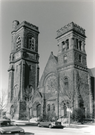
{"x": 16, "y": 25}
{"x": 69, "y": 27}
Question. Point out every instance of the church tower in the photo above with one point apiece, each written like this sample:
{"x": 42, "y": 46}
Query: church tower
{"x": 72, "y": 69}
{"x": 24, "y": 66}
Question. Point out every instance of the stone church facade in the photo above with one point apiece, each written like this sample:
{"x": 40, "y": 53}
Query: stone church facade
{"x": 65, "y": 82}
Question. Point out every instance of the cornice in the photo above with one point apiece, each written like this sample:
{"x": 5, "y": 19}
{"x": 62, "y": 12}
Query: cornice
{"x": 26, "y": 25}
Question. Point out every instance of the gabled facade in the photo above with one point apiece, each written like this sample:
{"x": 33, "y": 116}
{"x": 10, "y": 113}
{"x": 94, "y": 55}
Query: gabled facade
{"x": 65, "y": 82}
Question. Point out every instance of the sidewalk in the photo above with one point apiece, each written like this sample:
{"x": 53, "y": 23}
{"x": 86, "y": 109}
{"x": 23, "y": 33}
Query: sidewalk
{"x": 86, "y": 128}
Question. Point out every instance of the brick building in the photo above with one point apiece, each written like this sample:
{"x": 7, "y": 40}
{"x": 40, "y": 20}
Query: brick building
{"x": 24, "y": 66}
{"x": 65, "y": 82}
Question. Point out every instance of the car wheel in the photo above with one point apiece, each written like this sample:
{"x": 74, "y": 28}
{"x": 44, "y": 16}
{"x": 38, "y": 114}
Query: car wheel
{"x": 50, "y": 126}
{"x": 39, "y": 125}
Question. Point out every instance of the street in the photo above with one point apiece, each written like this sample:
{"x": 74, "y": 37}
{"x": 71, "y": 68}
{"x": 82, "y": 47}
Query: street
{"x": 88, "y": 130}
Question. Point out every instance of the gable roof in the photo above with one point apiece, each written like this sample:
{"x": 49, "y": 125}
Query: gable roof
{"x": 56, "y": 58}
{"x": 51, "y": 66}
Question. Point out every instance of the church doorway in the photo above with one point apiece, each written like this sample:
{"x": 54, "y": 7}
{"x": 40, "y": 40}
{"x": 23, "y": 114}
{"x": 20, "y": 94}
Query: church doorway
{"x": 36, "y": 109}
{"x": 63, "y": 109}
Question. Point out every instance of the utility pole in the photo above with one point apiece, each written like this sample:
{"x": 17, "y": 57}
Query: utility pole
{"x": 69, "y": 118}
{"x": 69, "y": 111}
{"x": 58, "y": 95}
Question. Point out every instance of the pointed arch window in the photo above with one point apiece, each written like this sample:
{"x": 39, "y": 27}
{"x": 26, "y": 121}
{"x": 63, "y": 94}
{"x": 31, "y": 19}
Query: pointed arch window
{"x": 67, "y": 42}
{"x": 63, "y": 45}
{"x": 18, "y": 43}
{"x": 48, "y": 107}
{"x": 80, "y": 58}
{"x": 31, "y": 43}
{"x": 77, "y": 43}
{"x": 66, "y": 82}
{"x": 80, "y": 45}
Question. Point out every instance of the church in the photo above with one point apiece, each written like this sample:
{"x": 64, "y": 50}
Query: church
{"x": 66, "y": 82}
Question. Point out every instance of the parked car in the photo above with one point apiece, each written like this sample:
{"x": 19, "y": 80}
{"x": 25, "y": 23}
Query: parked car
{"x": 63, "y": 121}
{"x": 8, "y": 129}
{"x": 20, "y": 122}
{"x": 5, "y": 122}
{"x": 34, "y": 121}
{"x": 50, "y": 124}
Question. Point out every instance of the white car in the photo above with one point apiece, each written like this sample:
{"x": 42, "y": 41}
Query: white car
{"x": 34, "y": 121}
{"x": 19, "y": 122}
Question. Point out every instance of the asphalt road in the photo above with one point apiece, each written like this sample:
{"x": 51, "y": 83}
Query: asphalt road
{"x": 89, "y": 130}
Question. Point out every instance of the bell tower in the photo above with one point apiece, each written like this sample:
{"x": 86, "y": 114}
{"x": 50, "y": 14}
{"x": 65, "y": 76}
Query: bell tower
{"x": 72, "y": 68}
{"x": 24, "y": 65}
{"x": 71, "y": 46}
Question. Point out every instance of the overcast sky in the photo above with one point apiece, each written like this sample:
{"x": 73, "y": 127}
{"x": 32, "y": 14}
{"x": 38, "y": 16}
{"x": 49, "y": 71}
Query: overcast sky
{"x": 49, "y": 16}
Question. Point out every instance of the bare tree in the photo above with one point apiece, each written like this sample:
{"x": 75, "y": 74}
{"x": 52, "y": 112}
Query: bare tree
{"x": 27, "y": 96}
{"x": 3, "y": 101}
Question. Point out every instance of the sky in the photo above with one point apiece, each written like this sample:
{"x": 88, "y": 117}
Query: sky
{"x": 49, "y": 16}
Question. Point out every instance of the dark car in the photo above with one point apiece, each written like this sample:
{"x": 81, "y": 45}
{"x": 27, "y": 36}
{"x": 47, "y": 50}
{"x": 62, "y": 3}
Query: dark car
{"x": 5, "y": 122}
{"x": 50, "y": 124}
{"x": 7, "y": 129}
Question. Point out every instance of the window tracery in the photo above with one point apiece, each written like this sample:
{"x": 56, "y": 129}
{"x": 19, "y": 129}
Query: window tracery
{"x": 18, "y": 43}
{"x": 31, "y": 43}
{"x": 51, "y": 84}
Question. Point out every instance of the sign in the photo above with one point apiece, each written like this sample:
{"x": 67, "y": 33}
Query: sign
{"x": 69, "y": 110}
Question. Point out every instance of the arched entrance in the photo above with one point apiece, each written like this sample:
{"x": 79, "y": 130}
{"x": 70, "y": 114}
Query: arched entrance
{"x": 12, "y": 111}
{"x": 63, "y": 109}
{"x": 36, "y": 109}
{"x": 64, "y": 106}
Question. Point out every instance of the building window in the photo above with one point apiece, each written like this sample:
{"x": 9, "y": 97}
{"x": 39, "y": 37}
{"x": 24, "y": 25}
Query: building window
{"x": 63, "y": 45}
{"x": 66, "y": 83}
{"x": 77, "y": 43}
{"x": 53, "y": 107}
{"x": 65, "y": 58}
{"x": 80, "y": 44}
{"x": 31, "y": 43}
{"x": 80, "y": 58}
{"x": 48, "y": 107}
{"x": 67, "y": 43}
{"x": 18, "y": 43}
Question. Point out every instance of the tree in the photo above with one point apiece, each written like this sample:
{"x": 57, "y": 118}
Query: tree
{"x": 3, "y": 102}
{"x": 78, "y": 115}
{"x": 13, "y": 107}
{"x": 27, "y": 95}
